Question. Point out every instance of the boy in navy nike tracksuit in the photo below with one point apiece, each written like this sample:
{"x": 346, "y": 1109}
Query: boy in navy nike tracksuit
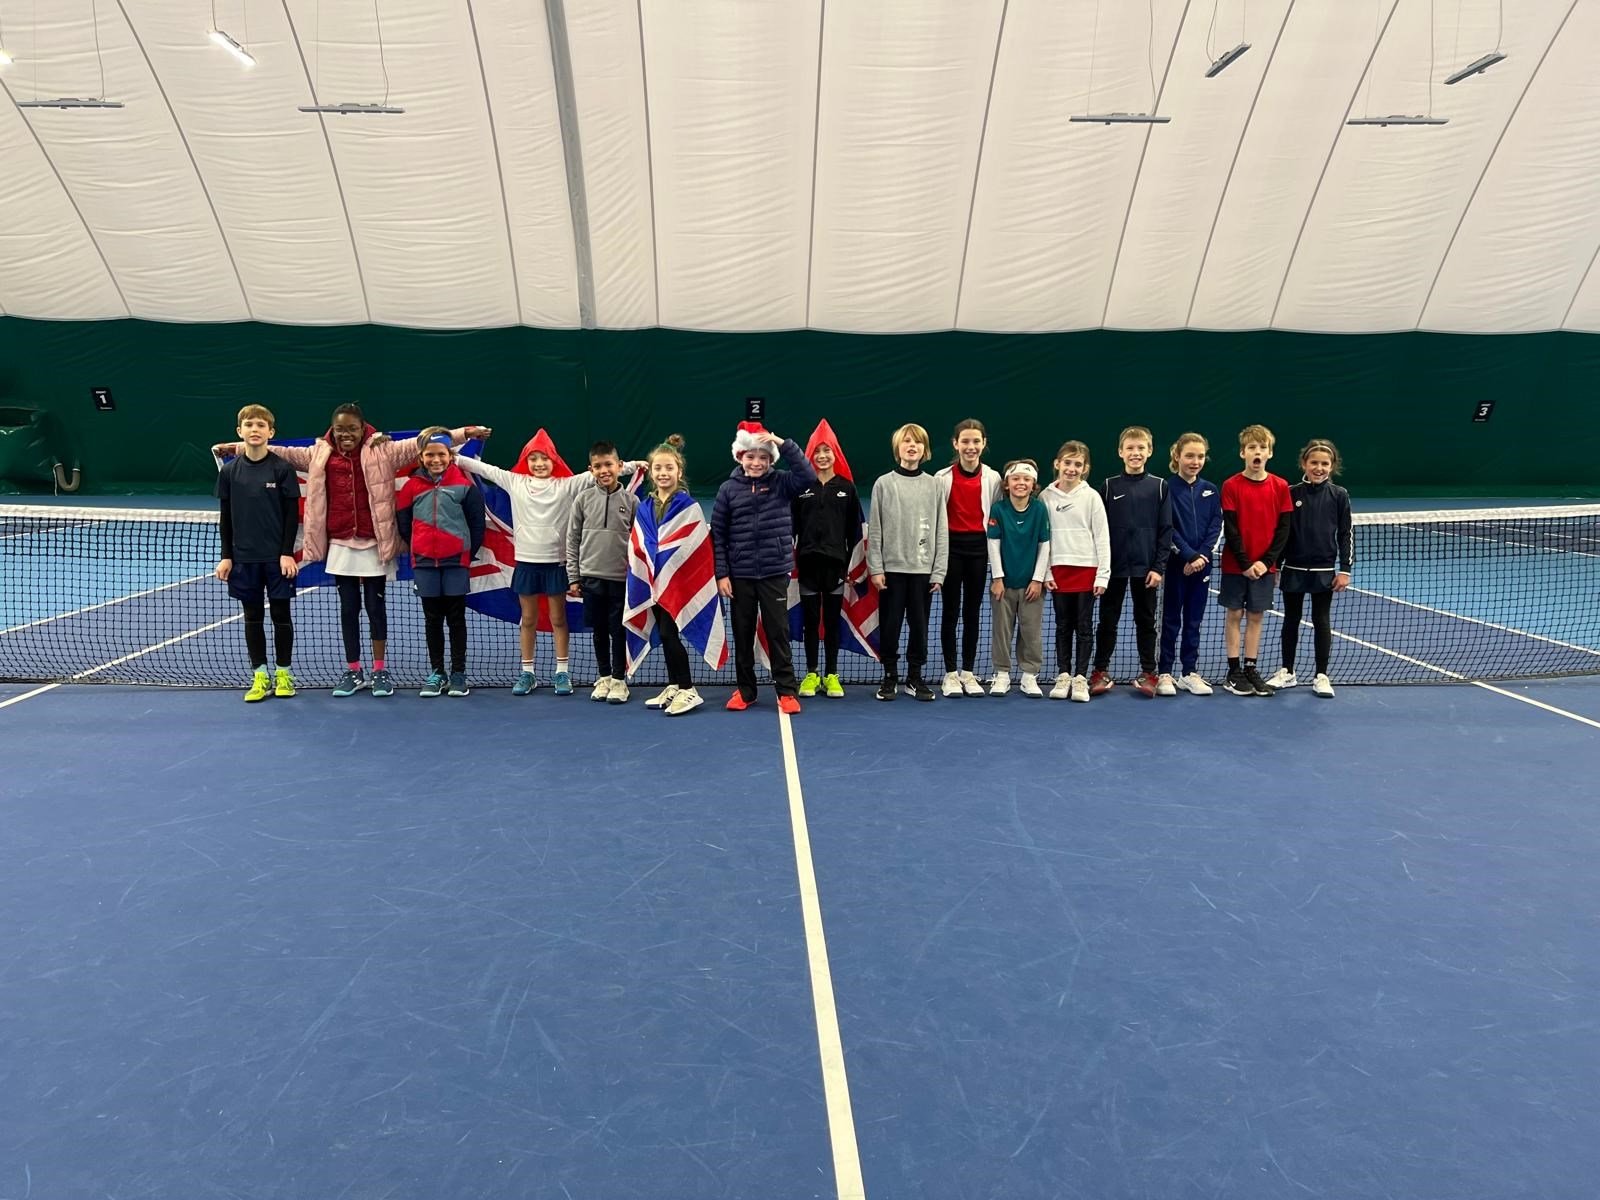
{"x": 1139, "y": 517}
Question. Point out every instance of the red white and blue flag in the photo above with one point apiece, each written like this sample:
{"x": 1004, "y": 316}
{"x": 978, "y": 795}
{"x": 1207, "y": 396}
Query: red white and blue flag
{"x": 670, "y": 563}
{"x": 489, "y": 577}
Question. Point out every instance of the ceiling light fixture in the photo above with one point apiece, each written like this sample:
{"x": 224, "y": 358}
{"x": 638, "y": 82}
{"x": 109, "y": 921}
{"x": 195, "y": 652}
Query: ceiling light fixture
{"x": 1398, "y": 120}
{"x": 348, "y": 109}
{"x": 232, "y": 46}
{"x": 1122, "y": 118}
{"x": 70, "y": 102}
{"x": 1476, "y": 68}
{"x": 351, "y": 110}
{"x": 1227, "y": 60}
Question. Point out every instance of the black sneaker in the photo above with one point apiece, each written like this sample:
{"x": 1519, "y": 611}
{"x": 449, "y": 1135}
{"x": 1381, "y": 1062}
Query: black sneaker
{"x": 1257, "y": 684}
{"x": 919, "y": 688}
{"x": 1238, "y": 683}
{"x": 888, "y": 688}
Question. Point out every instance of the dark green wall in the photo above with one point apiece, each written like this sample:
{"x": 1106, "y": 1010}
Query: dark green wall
{"x": 1399, "y": 405}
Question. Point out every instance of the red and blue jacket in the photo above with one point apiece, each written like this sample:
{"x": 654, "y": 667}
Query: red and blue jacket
{"x": 442, "y": 519}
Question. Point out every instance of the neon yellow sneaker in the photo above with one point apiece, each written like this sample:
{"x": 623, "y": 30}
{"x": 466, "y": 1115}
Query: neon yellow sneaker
{"x": 283, "y": 687}
{"x": 260, "y": 687}
{"x": 832, "y": 687}
{"x": 810, "y": 684}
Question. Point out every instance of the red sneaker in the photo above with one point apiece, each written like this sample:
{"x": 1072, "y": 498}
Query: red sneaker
{"x": 1146, "y": 684}
{"x": 788, "y": 704}
{"x": 737, "y": 702}
{"x": 1100, "y": 683}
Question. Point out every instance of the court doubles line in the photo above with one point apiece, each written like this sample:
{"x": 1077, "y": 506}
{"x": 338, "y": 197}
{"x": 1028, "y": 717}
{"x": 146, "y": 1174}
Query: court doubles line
{"x": 835, "y": 1085}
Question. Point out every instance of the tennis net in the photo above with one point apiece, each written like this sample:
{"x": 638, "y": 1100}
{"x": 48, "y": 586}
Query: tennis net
{"x": 128, "y": 596}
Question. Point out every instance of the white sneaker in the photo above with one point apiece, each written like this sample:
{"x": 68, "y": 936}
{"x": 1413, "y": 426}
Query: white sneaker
{"x": 1195, "y": 684}
{"x": 1166, "y": 686}
{"x": 687, "y": 700}
{"x": 1282, "y": 678}
{"x": 664, "y": 698}
{"x": 970, "y": 685}
{"x": 1030, "y": 686}
{"x": 952, "y": 684}
{"x": 1080, "y": 689}
{"x": 1323, "y": 686}
{"x": 619, "y": 692}
{"x": 1000, "y": 684}
{"x": 602, "y": 689}
{"x": 1063, "y": 687}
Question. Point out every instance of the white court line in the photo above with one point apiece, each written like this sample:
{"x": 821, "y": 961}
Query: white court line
{"x": 38, "y": 691}
{"x": 77, "y": 612}
{"x": 830, "y": 1047}
{"x": 61, "y": 528}
{"x": 1489, "y": 687}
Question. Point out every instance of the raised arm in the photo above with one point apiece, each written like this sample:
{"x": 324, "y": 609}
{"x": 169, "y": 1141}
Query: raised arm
{"x": 494, "y": 474}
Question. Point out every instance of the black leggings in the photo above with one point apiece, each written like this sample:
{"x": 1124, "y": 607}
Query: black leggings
{"x": 255, "y": 632}
{"x": 962, "y": 597}
{"x": 437, "y": 612}
{"x": 824, "y": 609}
{"x": 352, "y": 589}
{"x": 1321, "y": 627}
{"x": 1074, "y": 623}
{"x": 672, "y": 649}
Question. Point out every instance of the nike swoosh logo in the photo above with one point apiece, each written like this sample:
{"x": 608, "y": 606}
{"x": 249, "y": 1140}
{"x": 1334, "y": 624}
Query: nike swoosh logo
{"x": 1116, "y": 497}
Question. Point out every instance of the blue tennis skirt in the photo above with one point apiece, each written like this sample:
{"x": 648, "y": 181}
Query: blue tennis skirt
{"x": 539, "y": 579}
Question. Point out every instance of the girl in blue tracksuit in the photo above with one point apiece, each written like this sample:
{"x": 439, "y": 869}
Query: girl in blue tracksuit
{"x": 1196, "y": 530}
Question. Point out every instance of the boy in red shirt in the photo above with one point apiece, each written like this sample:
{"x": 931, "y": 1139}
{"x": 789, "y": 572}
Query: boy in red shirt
{"x": 1255, "y": 529}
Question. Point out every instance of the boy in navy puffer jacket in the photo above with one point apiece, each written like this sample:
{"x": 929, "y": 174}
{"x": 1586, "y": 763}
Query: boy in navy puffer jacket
{"x": 752, "y": 533}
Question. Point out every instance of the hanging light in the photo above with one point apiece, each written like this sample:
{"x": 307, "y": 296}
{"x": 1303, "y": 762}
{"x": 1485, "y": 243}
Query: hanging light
{"x": 232, "y": 46}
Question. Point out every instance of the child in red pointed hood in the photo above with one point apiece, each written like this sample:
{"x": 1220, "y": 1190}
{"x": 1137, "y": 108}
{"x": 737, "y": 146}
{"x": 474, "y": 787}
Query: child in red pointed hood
{"x": 541, "y": 487}
{"x": 827, "y": 526}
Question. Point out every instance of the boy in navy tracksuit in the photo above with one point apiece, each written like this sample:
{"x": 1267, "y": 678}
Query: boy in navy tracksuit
{"x": 752, "y": 534}
{"x": 1196, "y": 533}
{"x": 1139, "y": 518}
{"x": 439, "y": 513}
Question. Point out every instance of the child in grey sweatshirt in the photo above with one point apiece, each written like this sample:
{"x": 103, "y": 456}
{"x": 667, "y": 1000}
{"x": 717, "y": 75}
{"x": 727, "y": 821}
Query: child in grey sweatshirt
{"x": 907, "y": 553}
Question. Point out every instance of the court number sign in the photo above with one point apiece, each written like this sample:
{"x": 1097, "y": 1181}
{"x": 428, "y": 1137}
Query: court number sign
{"x": 1482, "y": 410}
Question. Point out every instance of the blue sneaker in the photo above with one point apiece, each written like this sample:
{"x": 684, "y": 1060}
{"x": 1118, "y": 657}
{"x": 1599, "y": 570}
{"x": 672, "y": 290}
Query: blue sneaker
{"x": 434, "y": 686}
{"x": 350, "y": 683}
{"x": 458, "y": 683}
{"x": 382, "y": 683}
{"x": 525, "y": 683}
{"x": 563, "y": 683}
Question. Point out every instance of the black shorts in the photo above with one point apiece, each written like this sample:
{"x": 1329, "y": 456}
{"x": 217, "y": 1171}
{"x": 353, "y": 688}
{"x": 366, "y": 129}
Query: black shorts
{"x": 1300, "y": 580}
{"x": 247, "y": 581}
{"x": 1252, "y": 595}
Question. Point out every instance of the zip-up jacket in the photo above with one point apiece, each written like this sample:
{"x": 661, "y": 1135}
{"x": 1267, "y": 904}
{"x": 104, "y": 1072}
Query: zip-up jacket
{"x": 1079, "y": 532}
{"x": 1320, "y": 535}
{"x": 991, "y": 486}
{"x": 1196, "y": 519}
{"x": 827, "y": 519}
{"x": 752, "y": 531}
{"x": 597, "y": 533}
{"x": 1139, "y": 516}
{"x": 441, "y": 518}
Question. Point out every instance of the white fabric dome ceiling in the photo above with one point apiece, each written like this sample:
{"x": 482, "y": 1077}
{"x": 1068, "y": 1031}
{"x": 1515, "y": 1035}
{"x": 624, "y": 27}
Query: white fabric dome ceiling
{"x": 868, "y": 165}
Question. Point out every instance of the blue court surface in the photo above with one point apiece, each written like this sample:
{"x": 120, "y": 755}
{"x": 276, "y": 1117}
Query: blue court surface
{"x": 494, "y": 947}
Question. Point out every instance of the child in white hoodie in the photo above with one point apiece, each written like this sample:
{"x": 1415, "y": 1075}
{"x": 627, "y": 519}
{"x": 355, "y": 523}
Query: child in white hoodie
{"x": 1080, "y": 564}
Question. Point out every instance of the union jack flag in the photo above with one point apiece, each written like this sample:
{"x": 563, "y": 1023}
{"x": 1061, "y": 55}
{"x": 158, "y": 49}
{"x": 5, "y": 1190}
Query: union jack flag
{"x": 489, "y": 577}
{"x": 671, "y": 563}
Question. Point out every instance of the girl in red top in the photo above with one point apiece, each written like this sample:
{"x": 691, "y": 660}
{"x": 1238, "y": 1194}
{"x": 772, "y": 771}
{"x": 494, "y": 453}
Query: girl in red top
{"x": 969, "y": 488}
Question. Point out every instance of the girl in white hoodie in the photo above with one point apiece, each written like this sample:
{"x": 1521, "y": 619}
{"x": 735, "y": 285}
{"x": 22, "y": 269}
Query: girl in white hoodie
{"x": 1080, "y": 564}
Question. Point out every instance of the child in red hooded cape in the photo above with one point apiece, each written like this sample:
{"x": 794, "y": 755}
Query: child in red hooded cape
{"x": 827, "y": 528}
{"x": 541, "y": 487}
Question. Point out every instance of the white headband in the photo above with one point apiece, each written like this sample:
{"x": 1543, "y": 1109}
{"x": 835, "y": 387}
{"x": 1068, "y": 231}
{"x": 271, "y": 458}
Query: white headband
{"x": 1022, "y": 468}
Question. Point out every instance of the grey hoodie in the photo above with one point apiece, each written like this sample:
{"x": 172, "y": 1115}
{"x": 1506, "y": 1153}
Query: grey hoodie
{"x": 597, "y": 533}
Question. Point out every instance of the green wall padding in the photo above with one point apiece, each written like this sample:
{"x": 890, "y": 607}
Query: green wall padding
{"x": 1399, "y": 405}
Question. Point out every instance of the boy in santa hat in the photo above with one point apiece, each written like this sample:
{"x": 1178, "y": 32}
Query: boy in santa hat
{"x": 752, "y": 533}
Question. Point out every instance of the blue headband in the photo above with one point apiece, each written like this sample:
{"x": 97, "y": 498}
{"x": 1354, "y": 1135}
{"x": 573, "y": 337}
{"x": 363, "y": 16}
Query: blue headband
{"x": 439, "y": 439}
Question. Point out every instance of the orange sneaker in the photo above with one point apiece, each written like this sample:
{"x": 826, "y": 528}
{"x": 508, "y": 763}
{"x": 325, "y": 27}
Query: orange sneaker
{"x": 737, "y": 702}
{"x": 788, "y": 704}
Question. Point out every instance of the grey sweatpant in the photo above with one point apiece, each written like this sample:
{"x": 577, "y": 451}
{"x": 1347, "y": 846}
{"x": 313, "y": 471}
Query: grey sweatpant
{"x": 1014, "y": 615}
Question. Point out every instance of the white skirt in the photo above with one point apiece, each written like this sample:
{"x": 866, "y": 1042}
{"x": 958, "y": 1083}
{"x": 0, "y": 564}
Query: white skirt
{"x": 344, "y": 560}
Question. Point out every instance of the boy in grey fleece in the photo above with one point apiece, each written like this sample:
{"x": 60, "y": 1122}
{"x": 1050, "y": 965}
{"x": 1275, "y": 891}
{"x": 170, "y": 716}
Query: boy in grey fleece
{"x": 597, "y": 565}
{"x": 908, "y": 550}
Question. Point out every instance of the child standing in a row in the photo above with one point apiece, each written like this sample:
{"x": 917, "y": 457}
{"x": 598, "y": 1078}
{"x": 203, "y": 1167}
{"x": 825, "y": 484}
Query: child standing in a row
{"x": 1196, "y": 532}
{"x": 1080, "y": 567}
{"x": 907, "y": 553}
{"x": 970, "y": 488}
{"x": 1019, "y": 561}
